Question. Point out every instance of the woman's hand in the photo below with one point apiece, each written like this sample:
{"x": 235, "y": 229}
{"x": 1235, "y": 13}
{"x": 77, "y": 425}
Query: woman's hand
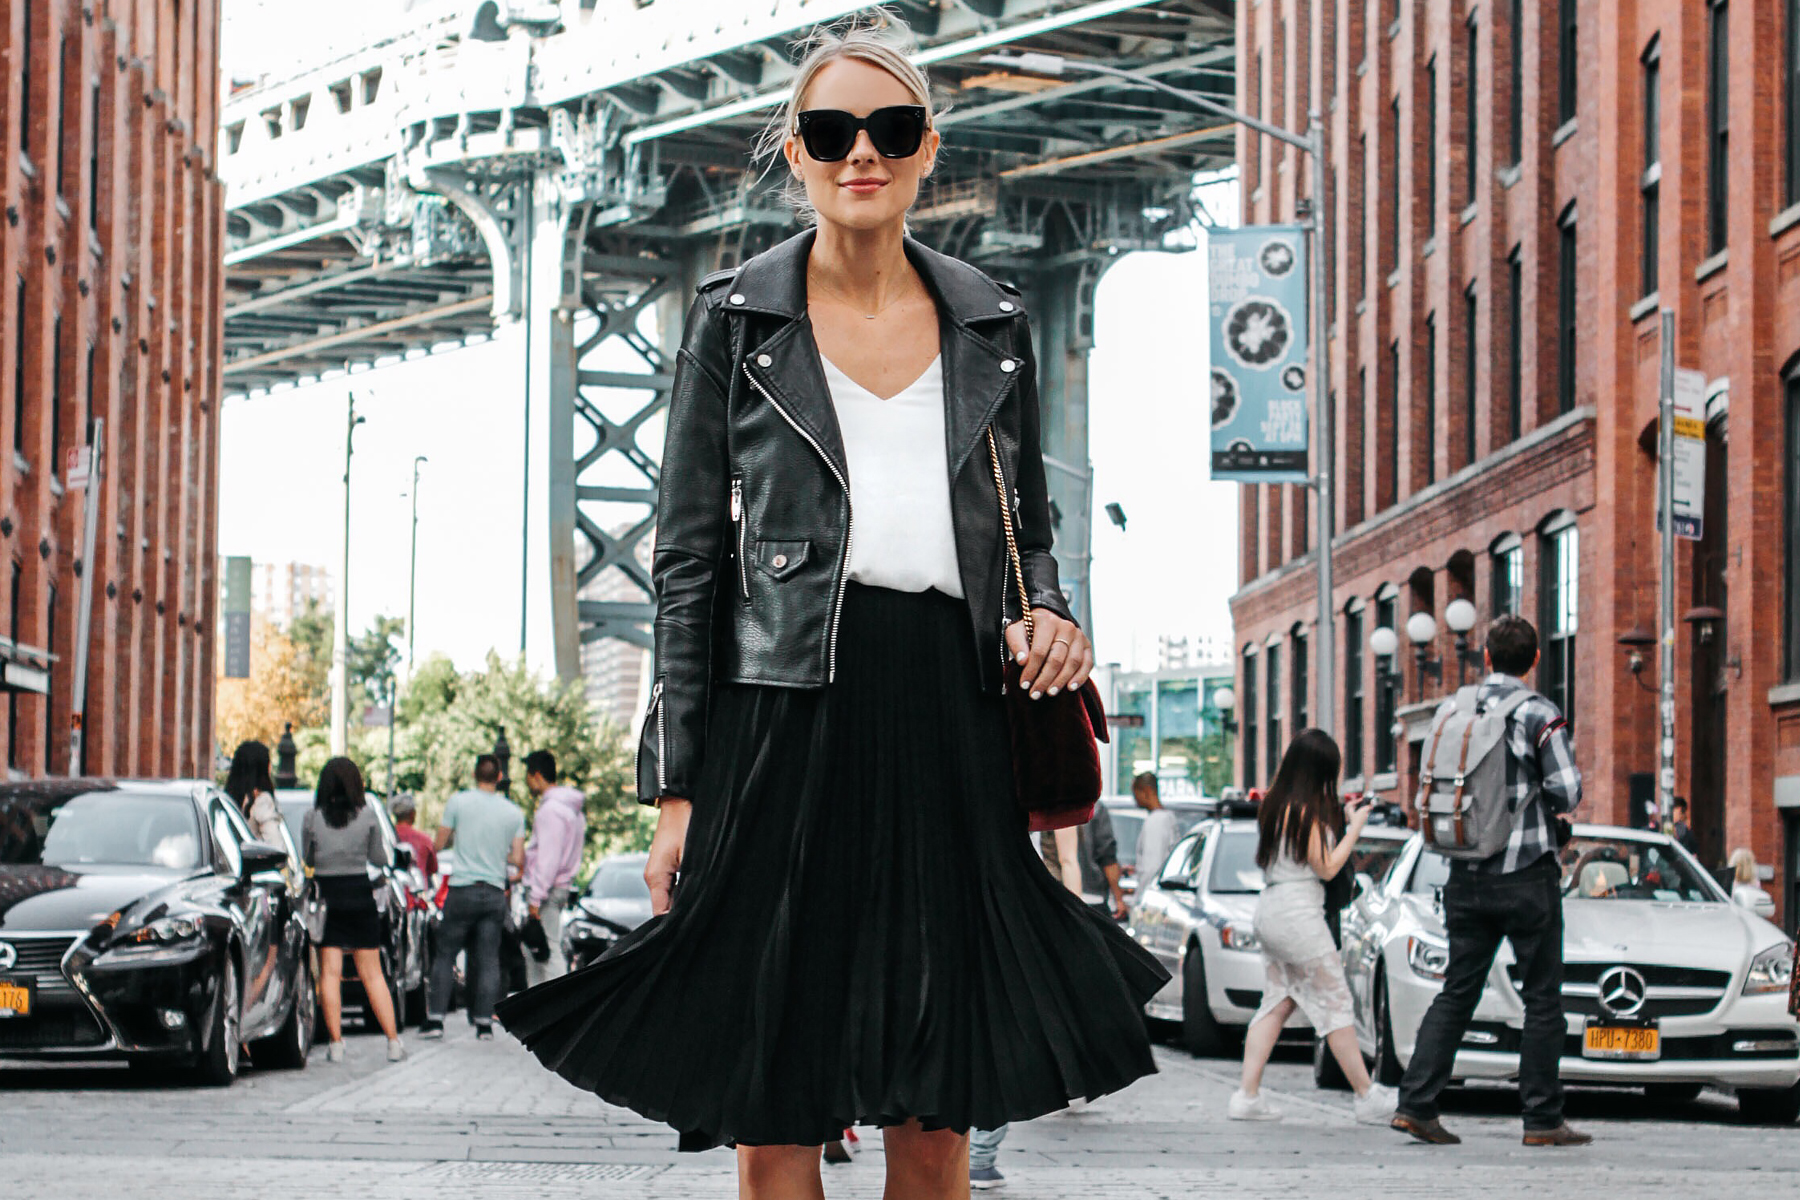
{"x": 1059, "y": 656}
{"x": 665, "y": 851}
{"x": 1358, "y": 811}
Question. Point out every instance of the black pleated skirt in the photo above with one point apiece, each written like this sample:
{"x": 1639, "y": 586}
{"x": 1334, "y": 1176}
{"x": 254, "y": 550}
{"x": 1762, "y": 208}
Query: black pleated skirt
{"x": 863, "y": 932}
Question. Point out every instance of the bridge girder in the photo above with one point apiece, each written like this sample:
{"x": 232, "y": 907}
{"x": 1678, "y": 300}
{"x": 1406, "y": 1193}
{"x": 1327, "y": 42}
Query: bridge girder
{"x": 578, "y": 201}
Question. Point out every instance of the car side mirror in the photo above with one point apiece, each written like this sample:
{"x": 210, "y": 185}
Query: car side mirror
{"x": 1758, "y": 902}
{"x": 258, "y": 857}
{"x": 403, "y": 857}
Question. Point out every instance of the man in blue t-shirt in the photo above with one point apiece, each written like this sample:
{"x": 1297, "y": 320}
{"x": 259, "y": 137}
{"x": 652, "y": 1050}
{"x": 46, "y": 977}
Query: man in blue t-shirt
{"x": 488, "y": 833}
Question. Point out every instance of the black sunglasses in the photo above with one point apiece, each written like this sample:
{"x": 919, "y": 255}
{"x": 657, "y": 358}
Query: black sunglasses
{"x": 895, "y": 131}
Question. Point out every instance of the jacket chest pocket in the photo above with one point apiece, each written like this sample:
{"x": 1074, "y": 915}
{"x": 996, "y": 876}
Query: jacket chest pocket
{"x": 780, "y": 559}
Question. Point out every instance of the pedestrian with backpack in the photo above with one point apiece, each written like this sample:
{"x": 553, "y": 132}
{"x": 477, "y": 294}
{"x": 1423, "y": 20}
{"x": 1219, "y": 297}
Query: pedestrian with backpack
{"x": 1497, "y": 784}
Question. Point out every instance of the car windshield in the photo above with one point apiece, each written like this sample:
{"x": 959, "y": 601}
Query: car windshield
{"x": 619, "y": 881}
{"x": 1234, "y": 869}
{"x": 1127, "y": 824}
{"x": 1602, "y": 868}
{"x": 1373, "y": 856}
{"x": 99, "y": 828}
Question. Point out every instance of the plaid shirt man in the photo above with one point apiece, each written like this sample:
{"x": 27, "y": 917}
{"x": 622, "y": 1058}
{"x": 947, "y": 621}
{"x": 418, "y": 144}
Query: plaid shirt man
{"x": 1542, "y": 781}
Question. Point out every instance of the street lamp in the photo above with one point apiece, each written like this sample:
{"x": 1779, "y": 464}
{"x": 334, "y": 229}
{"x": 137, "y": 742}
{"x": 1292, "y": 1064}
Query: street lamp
{"x": 1636, "y": 640}
{"x": 412, "y": 574}
{"x": 1460, "y": 616}
{"x": 503, "y": 752}
{"x": 1421, "y": 628}
{"x": 1225, "y": 700}
{"x": 1313, "y": 146}
{"x": 285, "y": 752}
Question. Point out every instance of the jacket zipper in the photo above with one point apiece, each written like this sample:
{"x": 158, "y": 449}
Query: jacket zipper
{"x": 737, "y": 518}
{"x": 1005, "y": 576}
{"x": 662, "y": 741}
{"x": 837, "y": 608}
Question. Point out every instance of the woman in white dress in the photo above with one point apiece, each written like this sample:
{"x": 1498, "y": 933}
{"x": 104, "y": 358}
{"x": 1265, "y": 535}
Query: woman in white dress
{"x": 1304, "y": 842}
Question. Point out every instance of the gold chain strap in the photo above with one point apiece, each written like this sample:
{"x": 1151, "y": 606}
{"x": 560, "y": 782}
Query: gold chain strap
{"x": 1012, "y": 546}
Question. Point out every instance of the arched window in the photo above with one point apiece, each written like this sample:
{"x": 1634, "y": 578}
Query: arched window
{"x": 1355, "y": 630}
{"x": 1559, "y": 605}
{"x": 1272, "y": 676}
{"x": 1507, "y": 556}
{"x": 1302, "y": 681}
{"x": 1387, "y": 680}
{"x": 1247, "y": 706}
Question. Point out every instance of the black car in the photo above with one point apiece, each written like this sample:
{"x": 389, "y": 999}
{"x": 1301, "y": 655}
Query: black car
{"x": 616, "y": 901}
{"x": 140, "y": 919}
{"x": 406, "y": 915}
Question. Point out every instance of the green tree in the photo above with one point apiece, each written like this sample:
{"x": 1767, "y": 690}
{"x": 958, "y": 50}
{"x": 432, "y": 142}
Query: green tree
{"x": 373, "y": 659}
{"x": 1217, "y": 762}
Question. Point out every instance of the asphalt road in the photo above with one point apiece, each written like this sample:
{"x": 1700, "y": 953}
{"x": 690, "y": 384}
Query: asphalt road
{"x": 481, "y": 1121}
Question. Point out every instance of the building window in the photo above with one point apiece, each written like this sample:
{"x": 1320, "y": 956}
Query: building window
{"x": 1566, "y": 59}
{"x": 1515, "y": 299}
{"x": 1248, "y": 729}
{"x": 1393, "y": 174}
{"x": 18, "y": 413}
{"x": 1386, "y": 752}
{"x": 87, "y": 422}
{"x": 1718, "y": 121}
{"x": 1431, "y": 160}
{"x": 1390, "y": 448}
{"x": 56, "y": 396}
{"x": 1509, "y": 576}
{"x": 1472, "y": 113}
{"x": 1302, "y": 685}
{"x": 1791, "y": 538}
{"x": 1650, "y": 183}
{"x": 1272, "y": 675}
{"x": 1252, "y": 139}
{"x": 22, "y": 64}
{"x": 1792, "y": 83}
{"x": 1428, "y": 434}
{"x": 1471, "y": 373}
{"x": 12, "y": 697}
{"x": 59, "y": 137}
{"x": 50, "y": 646}
{"x": 94, "y": 161}
{"x": 1359, "y": 266}
{"x": 1565, "y": 315}
{"x": 1560, "y": 597}
{"x": 1516, "y": 35}
{"x": 1353, "y": 694}
{"x": 1331, "y": 246}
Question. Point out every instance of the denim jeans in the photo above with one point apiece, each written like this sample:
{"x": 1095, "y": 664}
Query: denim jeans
{"x": 1525, "y": 908}
{"x": 550, "y": 913}
{"x": 473, "y": 916}
{"x": 984, "y": 1147}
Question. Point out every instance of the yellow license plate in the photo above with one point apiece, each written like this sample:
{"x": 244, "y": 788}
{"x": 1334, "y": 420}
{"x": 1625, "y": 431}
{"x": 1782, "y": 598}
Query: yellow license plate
{"x": 1622, "y": 1042}
{"x": 15, "y": 998}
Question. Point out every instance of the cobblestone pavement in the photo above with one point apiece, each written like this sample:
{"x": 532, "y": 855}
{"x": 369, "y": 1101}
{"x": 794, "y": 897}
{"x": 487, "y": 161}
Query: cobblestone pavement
{"x": 481, "y": 1121}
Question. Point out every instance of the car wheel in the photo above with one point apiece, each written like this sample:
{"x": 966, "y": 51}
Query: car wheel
{"x": 1327, "y": 1074}
{"x": 1674, "y": 1093}
{"x": 218, "y": 1062}
{"x": 1201, "y": 1034}
{"x": 288, "y": 1046}
{"x": 1769, "y": 1106}
{"x": 1387, "y": 1064}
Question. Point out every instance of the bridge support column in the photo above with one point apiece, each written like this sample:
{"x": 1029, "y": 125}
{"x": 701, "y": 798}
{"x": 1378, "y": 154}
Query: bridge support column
{"x": 1062, "y": 307}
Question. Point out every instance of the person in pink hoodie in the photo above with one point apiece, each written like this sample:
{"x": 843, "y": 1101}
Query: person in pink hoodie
{"x": 558, "y": 835}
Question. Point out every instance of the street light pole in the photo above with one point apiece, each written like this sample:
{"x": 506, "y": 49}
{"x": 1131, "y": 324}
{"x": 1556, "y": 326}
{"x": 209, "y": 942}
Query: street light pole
{"x": 1313, "y": 143}
{"x": 340, "y": 632}
{"x": 412, "y": 571}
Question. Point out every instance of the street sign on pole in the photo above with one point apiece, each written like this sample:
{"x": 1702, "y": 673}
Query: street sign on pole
{"x": 236, "y": 611}
{"x": 1689, "y": 456}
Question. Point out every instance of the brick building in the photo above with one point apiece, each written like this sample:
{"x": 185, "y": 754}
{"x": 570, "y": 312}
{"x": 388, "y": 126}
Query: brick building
{"x": 110, "y": 259}
{"x": 1515, "y": 188}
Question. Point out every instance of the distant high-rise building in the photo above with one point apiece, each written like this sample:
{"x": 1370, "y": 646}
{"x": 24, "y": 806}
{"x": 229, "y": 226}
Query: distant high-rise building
{"x": 279, "y": 592}
{"x": 1178, "y": 651}
{"x": 616, "y": 672}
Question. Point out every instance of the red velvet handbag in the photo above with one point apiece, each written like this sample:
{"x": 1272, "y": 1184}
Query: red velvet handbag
{"x": 1056, "y": 763}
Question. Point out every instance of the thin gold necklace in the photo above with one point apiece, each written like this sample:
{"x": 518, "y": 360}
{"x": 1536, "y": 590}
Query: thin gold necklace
{"x": 854, "y": 307}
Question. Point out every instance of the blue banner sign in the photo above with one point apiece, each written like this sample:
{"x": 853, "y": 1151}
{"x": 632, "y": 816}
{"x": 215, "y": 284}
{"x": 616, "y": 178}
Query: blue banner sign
{"x": 1257, "y": 295}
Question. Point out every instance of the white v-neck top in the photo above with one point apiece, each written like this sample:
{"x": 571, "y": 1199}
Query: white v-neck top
{"x": 901, "y": 537}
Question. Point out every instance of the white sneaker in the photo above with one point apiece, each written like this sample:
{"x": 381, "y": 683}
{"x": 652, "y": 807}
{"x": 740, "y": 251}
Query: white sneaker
{"x": 396, "y": 1050}
{"x": 1251, "y": 1108}
{"x": 334, "y": 1052}
{"x": 1377, "y": 1107}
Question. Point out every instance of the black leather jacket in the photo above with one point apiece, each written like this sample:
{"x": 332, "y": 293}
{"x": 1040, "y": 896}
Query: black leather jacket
{"x": 754, "y": 520}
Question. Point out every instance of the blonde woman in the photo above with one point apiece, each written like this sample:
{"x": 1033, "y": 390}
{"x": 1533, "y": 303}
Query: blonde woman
{"x": 853, "y": 927}
{"x": 1746, "y": 880}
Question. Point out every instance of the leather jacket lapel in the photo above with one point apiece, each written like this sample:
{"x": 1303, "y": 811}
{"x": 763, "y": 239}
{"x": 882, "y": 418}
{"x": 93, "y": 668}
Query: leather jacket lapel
{"x": 787, "y": 369}
{"x": 977, "y": 378}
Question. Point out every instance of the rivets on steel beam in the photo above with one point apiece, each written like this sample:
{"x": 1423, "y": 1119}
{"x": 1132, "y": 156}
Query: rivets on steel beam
{"x": 81, "y": 285}
{"x": 6, "y": 526}
{"x": 161, "y": 608}
{"x": 117, "y": 324}
{"x": 137, "y": 595}
{"x": 166, "y": 375}
{"x": 143, "y": 345}
{"x": 181, "y": 620}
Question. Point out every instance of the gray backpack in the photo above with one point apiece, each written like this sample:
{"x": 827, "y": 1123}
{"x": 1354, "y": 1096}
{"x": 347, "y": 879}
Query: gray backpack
{"x": 1462, "y": 802}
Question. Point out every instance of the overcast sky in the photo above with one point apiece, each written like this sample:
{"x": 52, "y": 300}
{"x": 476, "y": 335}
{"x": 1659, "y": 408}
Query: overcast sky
{"x": 1172, "y": 571}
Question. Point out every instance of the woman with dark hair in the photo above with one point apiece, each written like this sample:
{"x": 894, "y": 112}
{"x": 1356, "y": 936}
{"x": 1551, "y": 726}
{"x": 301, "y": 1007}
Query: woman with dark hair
{"x": 340, "y": 840}
{"x": 248, "y": 783}
{"x": 852, "y": 925}
{"x": 1304, "y": 840}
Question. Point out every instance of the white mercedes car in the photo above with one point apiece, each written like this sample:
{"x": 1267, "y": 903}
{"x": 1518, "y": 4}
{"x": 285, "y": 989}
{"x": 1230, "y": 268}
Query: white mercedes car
{"x": 1668, "y": 985}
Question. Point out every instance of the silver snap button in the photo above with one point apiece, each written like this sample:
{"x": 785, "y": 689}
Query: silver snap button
{"x": 737, "y": 297}
{"x": 763, "y": 360}
{"x": 1009, "y": 366}
{"x": 779, "y": 561}
{"x": 1006, "y": 306}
